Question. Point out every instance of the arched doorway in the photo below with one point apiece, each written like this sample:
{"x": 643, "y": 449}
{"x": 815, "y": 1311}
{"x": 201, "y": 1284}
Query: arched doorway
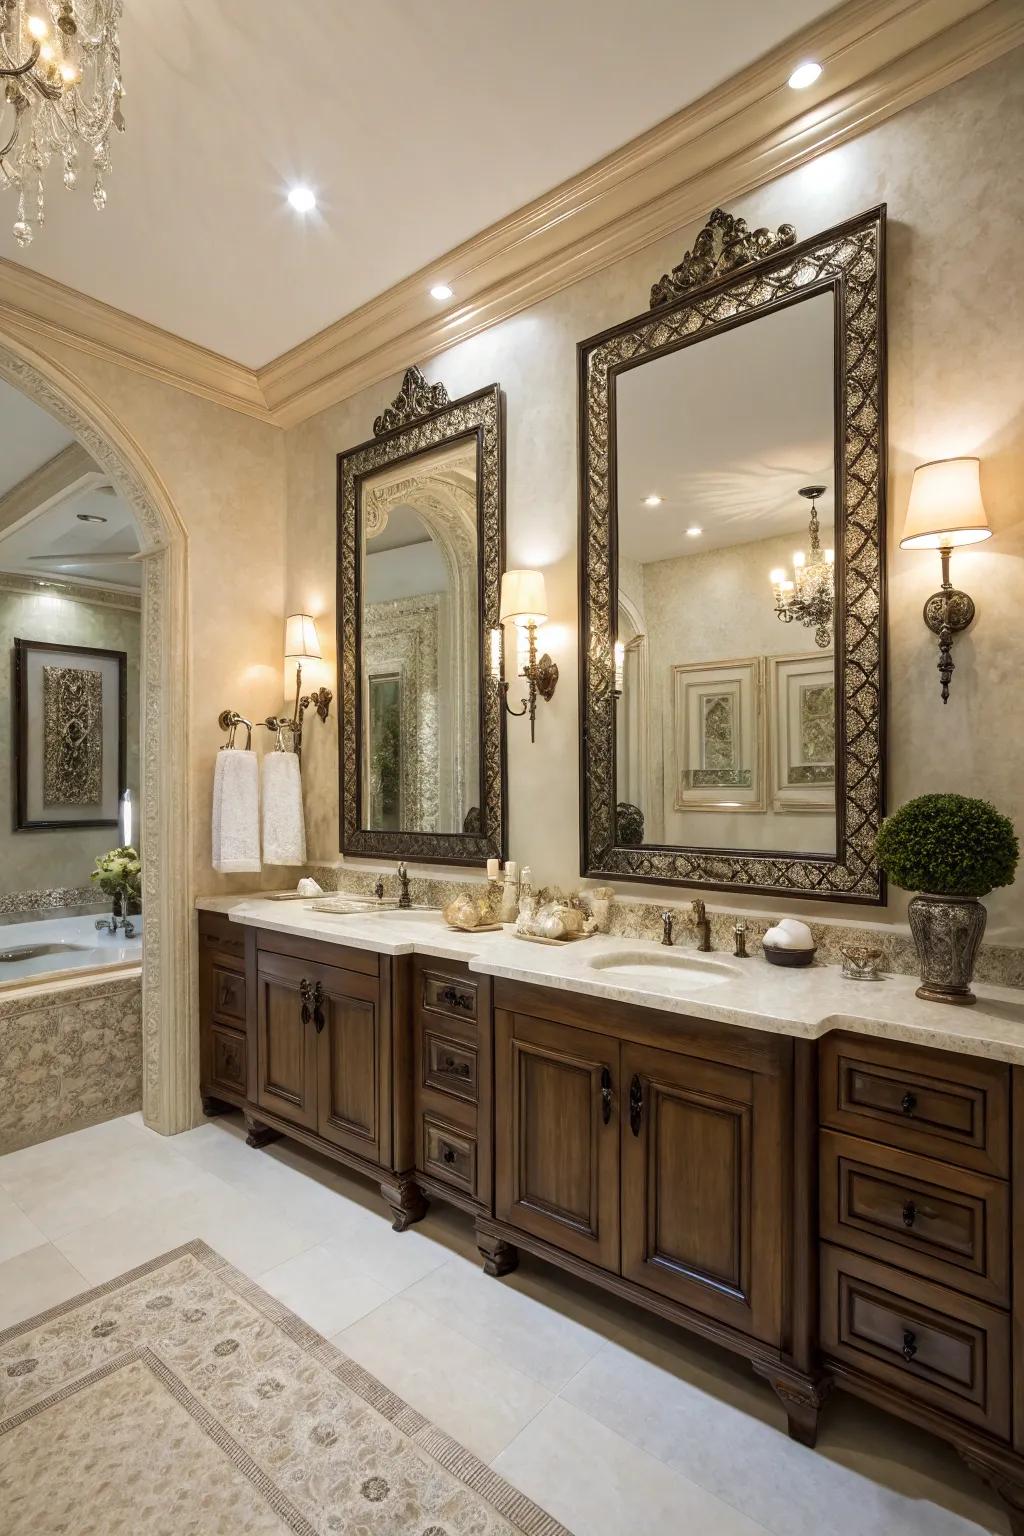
{"x": 168, "y": 1045}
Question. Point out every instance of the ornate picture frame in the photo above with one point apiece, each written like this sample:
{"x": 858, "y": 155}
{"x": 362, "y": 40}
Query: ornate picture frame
{"x": 70, "y": 735}
{"x": 732, "y": 276}
{"x": 422, "y": 418}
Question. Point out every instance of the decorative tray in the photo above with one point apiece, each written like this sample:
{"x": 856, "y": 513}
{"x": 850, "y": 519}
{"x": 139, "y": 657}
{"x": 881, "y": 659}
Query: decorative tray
{"x": 539, "y": 938}
{"x": 480, "y": 928}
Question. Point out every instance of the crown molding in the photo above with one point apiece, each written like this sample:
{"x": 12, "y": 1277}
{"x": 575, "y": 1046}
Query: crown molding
{"x": 880, "y": 56}
{"x": 68, "y": 473}
{"x": 42, "y": 307}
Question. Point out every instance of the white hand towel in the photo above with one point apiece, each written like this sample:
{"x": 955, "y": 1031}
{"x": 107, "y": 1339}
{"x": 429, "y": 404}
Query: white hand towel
{"x": 236, "y": 817}
{"x": 284, "y": 830}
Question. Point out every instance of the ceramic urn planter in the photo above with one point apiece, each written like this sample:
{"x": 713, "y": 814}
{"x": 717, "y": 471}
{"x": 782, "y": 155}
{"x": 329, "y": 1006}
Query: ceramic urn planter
{"x": 947, "y": 931}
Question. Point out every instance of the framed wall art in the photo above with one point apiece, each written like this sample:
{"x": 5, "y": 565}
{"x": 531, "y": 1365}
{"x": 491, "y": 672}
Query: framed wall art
{"x": 70, "y": 706}
{"x": 801, "y": 695}
{"x": 718, "y": 735}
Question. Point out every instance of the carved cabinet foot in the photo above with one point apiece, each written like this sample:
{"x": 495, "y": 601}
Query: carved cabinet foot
{"x": 1005, "y": 1476}
{"x": 801, "y": 1396}
{"x": 500, "y": 1258}
{"x": 258, "y": 1135}
{"x": 405, "y": 1200}
{"x": 212, "y": 1106}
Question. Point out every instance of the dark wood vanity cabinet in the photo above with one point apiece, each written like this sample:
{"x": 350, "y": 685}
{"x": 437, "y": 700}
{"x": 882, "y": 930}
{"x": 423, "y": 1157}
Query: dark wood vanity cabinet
{"x": 649, "y": 1153}
{"x": 451, "y": 1025}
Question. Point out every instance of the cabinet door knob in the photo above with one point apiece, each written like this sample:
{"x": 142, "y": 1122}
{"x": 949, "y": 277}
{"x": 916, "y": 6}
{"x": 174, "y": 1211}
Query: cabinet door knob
{"x": 909, "y": 1213}
{"x": 456, "y": 999}
{"x": 636, "y": 1104}
{"x": 448, "y": 1154}
{"x": 909, "y": 1349}
{"x": 455, "y": 1068}
{"x": 606, "y": 1095}
{"x": 908, "y": 1103}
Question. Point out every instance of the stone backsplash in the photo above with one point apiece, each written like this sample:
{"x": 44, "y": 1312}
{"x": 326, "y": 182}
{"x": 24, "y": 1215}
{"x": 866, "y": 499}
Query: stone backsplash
{"x": 998, "y": 964}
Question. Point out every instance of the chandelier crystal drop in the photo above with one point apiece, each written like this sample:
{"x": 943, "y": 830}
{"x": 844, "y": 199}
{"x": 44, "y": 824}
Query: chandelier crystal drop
{"x": 60, "y": 62}
{"x": 809, "y": 595}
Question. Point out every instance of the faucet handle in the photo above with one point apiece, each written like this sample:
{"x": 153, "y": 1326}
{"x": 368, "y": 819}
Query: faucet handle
{"x": 698, "y": 910}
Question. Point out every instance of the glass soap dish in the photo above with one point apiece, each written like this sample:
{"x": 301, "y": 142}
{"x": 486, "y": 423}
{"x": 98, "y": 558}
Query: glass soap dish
{"x": 860, "y": 963}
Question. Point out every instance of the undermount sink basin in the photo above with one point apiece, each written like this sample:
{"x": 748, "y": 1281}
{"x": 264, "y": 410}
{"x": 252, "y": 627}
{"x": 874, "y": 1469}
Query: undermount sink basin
{"x": 399, "y": 915}
{"x": 685, "y": 971}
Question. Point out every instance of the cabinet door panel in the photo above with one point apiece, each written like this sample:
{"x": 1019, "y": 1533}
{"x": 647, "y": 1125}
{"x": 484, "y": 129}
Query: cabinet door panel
{"x": 701, "y": 1194}
{"x": 557, "y": 1144}
{"x": 349, "y": 1062}
{"x": 286, "y": 1054}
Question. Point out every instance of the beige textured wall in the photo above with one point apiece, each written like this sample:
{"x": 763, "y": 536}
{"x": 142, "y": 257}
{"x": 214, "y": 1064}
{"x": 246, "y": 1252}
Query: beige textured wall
{"x": 224, "y": 473}
{"x": 949, "y": 170}
{"x": 44, "y": 859}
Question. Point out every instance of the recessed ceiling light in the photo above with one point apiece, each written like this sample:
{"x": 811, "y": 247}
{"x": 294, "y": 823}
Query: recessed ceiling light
{"x": 441, "y": 291}
{"x": 90, "y": 517}
{"x": 652, "y": 501}
{"x": 804, "y": 75}
{"x": 302, "y": 199}
{"x": 694, "y": 532}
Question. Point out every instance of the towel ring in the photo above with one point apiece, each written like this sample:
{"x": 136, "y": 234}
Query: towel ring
{"x": 229, "y": 720}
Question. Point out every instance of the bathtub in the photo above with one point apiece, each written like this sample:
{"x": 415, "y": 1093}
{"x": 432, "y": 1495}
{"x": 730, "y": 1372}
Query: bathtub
{"x": 62, "y": 945}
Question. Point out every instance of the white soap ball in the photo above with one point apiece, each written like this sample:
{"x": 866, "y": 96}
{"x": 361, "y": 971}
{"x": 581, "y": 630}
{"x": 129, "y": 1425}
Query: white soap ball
{"x": 801, "y": 934}
{"x": 780, "y": 938}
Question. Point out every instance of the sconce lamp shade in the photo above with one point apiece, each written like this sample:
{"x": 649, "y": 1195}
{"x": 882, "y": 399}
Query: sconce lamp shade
{"x": 945, "y": 507}
{"x": 301, "y": 642}
{"x": 523, "y": 597}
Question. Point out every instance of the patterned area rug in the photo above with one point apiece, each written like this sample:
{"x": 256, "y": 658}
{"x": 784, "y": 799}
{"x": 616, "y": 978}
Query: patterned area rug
{"x": 181, "y": 1398}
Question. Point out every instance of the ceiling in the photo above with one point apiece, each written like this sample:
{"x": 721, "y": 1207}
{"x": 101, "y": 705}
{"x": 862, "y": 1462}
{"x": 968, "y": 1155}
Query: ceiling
{"x": 52, "y": 527}
{"x": 726, "y": 432}
{"x": 417, "y": 122}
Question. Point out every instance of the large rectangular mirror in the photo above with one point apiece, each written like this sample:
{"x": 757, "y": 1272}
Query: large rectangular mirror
{"x": 420, "y": 550}
{"x": 732, "y": 687}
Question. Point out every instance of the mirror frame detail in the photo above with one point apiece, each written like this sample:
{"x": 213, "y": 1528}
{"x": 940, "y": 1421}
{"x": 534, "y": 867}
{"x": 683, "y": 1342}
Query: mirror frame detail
{"x": 847, "y": 261}
{"x": 420, "y": 419}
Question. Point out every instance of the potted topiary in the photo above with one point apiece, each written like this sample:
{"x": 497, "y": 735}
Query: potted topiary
{"x": 952, "y": 850}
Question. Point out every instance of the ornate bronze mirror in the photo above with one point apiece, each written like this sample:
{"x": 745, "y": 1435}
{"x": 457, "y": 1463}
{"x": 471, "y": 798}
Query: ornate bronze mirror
{"x": 732, "y": 569}
{"x": 421, "y": 543}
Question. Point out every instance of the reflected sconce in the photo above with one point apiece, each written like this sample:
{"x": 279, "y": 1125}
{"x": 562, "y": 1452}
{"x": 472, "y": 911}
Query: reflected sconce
{"x": 946, "y": 510}
{"x": 524, "y": 601}
{"x": 619, "y": 663}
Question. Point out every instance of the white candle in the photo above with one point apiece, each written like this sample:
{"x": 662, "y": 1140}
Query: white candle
{"x": 496, "y": 638}
{"x": 620, "y": 665}
{"x": 493, "y": 868}
{"x": 126, "y": 819}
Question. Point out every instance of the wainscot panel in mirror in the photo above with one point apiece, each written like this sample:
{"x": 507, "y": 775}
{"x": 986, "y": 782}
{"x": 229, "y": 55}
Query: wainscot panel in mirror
{"x": 732, "y": 569}
{"x": 420, "y": 555}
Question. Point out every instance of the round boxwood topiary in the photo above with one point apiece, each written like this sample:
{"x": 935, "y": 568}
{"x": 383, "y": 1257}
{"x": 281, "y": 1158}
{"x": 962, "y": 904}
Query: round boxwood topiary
{"x": 948, "y": 845}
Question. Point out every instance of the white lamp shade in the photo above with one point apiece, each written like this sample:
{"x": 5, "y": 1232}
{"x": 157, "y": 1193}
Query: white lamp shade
{"x": 523, "y": 597}
{"x": 300, "y": 638}
{"x": 945, "y": 506}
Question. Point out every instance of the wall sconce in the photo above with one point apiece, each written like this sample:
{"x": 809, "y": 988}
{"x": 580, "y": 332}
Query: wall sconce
{"x": 619, "y": 654}
{"x": 301, "y": 643}
{"x": 945, "y": 510}
{"x": 524, "y": 601}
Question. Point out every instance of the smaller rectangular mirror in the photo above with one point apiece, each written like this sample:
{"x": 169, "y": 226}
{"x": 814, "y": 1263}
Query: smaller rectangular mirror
{"x": 420, "y": 554}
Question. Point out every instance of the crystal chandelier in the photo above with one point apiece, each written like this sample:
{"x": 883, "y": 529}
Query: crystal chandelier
{"x": 61, "y": 64}
{"x": 810, "y": 595}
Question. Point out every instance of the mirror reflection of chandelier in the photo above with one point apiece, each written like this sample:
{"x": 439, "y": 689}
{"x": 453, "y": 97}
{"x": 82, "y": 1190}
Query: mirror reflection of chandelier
{"x": 809, "y": 595}
{"x": 61, "y": 62}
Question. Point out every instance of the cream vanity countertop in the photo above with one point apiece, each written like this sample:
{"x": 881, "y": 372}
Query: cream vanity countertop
{"x": 806, "y": 1003}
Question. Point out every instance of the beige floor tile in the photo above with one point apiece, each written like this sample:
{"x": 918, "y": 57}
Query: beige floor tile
{"x": 394, "y": 1259}
{"x": 17, "y": 1233}
{"x": 35, "y": 1281}
{"x": 517, "y": 1327}
{"x": 140, "y": 1231}
{"x": 319, "y": 1290}
{"x": 478, "y": 1399}
{"x": 598, "y": 1484}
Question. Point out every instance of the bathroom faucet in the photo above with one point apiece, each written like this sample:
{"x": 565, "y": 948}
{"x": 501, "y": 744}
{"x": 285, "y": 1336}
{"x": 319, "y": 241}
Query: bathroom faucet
{"x": 702, "y": 923}
{"x": 404, "y": 899}
{"x": 739, "y": 934}
{"x": 666, "y": 927}
{"x": 378, "y": 889}
{"x": 112, "y": 924}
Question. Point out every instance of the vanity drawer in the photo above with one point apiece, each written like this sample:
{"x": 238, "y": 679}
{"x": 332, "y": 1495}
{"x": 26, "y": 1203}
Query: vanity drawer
{"x": 227, "y": 994}
{"x": 454, "y": 996}
{"x": 448, "y": 1064}
{"x": 947, "y": 1224}
{"x": 940, "y": 1348}
{"x": 227, "y": 1061}
{"x": 448, "y": 1154}
{"x": 950, "y": 1107}
{"x": 218, "y": 934}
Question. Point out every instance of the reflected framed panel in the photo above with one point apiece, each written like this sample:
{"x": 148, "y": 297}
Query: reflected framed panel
{"x": 802, "y": 735}
{"x": 718, "y": 735}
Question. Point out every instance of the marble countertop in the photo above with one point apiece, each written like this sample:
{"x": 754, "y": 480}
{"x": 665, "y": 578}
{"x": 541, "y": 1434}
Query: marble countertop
{"x": 806, "y": 1003}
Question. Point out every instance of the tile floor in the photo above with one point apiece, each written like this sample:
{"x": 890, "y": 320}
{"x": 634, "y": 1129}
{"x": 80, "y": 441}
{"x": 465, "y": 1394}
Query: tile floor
{"x": 611, "y": 1419}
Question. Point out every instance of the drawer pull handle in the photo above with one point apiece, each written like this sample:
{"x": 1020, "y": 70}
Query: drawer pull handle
{"x": 457, "y": 999}
{"x": 908, "y": 1103}
{"x": 636, "y": 1104}
{"x": 306, "y": 993}
{"x": 448, "y": 1154}
{"x": 909, "y": 1349}
{"x": 318, "y": 1007}
{"x": 909, "y": 1214}
{"x": 455, "y": 1068}
{"x": 606, "y": 1095}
